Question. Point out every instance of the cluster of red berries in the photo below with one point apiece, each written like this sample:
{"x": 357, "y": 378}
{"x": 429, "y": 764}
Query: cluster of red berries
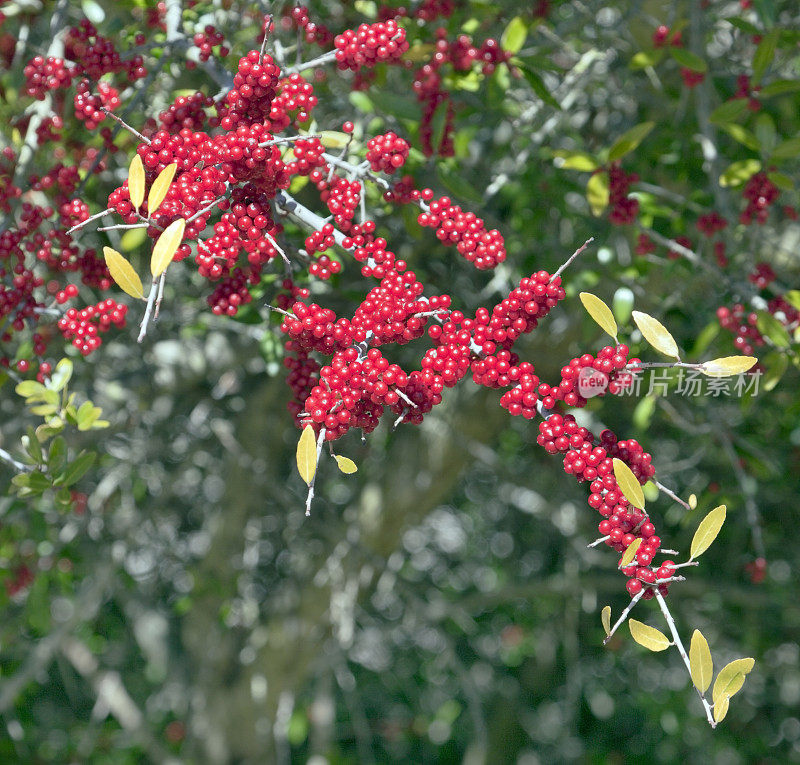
{"x": 69, "y": 292}
{"x": 745, "y": 90}
{"x": 609, "y": 363}
{"x": 644, "y": 245}
{"x": 84, "y": 327}
{"x": 233, "y": 291}
{"x": 254, "y": 87}
{"x": 209, "y": 39}
{"x": 299, "y": 17}
{"x": 342, "y": 198}
{"x": 760, "y": 193}
{"x": 370, "y": 44}
{"x": 762, "y": 275}
{"x": 426, "y": 10}
{"x": 45, "y": 74}
{"x": 711, "y": 223}
{"x": 89, "y": 107}
{"x": 387, "y": 152}
{"x": 691, "y": 77}
{"x": 49, "y": 131}
{"x": 95, "y": 55}
{"x": 622, "y": 208}
{"x": 484, "y": 249}
{"x": 295, "y": 94}
{"x": 661, "y": 37}
{"x": 185, "y": 112}
{"x": 308, "y": 157}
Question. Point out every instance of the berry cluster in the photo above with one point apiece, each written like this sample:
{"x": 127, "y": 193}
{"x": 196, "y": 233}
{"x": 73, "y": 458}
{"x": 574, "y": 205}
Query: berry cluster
{"x": 622, "y": 208}
{"x": 485, "y": 249}
{"x": 299, "y": 17}
{"x": 711, "y": 223}
{"x": 209, "y": 39}
{"x": 387, "y": 152}
{"x": 44, "y": 74}
{"x": 84, "y": 327}
{"x": 185, "y": 112}
{"x": 745, "y": 90}
{"x": 370, "y": 44}
{"x": 609, "y": 362}
{"x": 254, "y": 86}
{"x": 760, "y": 193}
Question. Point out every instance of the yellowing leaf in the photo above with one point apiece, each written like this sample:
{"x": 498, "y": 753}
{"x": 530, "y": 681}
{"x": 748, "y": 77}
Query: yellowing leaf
{"x": 630, "y": 552}
{"x": 656, "y": 334}
{"x": 597, "y": 192}
{"x": 649, "y": 637}
{"x": 728, "y": 365}
{"x": 160, "y": 188}
{"x": 307, "y": 454}
{"x": 707, "y": 531}
{"x": 166, "y": 247}
{"x": 628, "y": 483}
{"x": 692, "y": 501}
{"x": 600, "y": 312}
{"x": 123, "y": 273}
{"x": 605, "y": 618}
{"x": 701, "y": 665}
{"x": 136, "y": 181}
{"x": 731, "y": 678}
{"x": 721, "y": 708}
{"x": 346, "y": 465}
{"x": 333, "y": 139}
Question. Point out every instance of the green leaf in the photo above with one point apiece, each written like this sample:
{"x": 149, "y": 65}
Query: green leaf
{"x": 701, "y": 665}
{"x": 688, "y": 59}
{"x": 597, "y": 192}
{"x": 765, "y": 53}
{"x": 38, "y": 482}
{"x": 647, "y": 636}
{"x": 707, "y": 531}
{"x": 783, "y": 182}
{"x": 457, "y": 185}
{"x": 788, "y": 149}
{"x": 57, "y": 455}
{"x": 76, "y": 469}
{"x": 576, "y": 160}
{"x": 61, "y": 375}
{"x": 538, "y": 87}
{"x": 656, "y": 334}
{"x": 629, "y": 140}
{"x": 742, "y": 135}
{"x": 772, "y": 329}
{"x": 44, "y": 410}
{"x": 87, "y": 415}
{"x": 395, "y": 104}
{"x": 438, "y": 123}
{"x": 729, "y": 111}
{"x": 738, "y": 173}
{"x": 779, "y": 88}
{"x": 31, "y": 390}
{"x": 721, "y": 708}
{"x": 361, "y": 101}
{"x": 645, "y": 58}
{"x": 513, "y": 37}
{"x": 600, "y": 312}
{"x": 793, "y": 298}
{"x": 776, "y": 364}
{"x": 33, "y": 446}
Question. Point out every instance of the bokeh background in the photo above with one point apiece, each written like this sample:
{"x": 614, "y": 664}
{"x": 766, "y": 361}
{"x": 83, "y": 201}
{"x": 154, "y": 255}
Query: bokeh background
{"x": 441, "y": 604}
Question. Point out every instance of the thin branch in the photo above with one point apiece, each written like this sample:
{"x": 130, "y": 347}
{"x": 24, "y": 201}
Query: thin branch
{"x": 672, "y": 494}
{"x": 16, "y": 464}
{"x": 160, "y": 295}
{"x": 320, "y": 441}
{"x": 634, "y": 600}
{"x": 91, "y": 218}
{"x": 147, "y": 311}
{"x": 325, "y": 58}
{"x": 572, "y": 257}
{"x": 125, "y": 125}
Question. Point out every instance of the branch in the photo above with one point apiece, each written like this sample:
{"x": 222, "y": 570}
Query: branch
{"x": 320, "y": 441}
{"x": 146, "y": 318}
{"x": 325, "y": 58}
{"x": 16, "y": 464}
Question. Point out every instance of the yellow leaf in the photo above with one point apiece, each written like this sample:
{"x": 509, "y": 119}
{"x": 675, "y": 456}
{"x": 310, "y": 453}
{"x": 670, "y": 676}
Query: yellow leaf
{"x": 123, "y": 273}
{"x": 656, "y": 334}
{"x": 345, "y": 464}
{"x": 728, "y": 365}
{"x": 307, "y": 454}
{"x": 701, "y": 665}
{"x": 628, "y": 483}
{"x": 731, "y": 678}
{"x": 136, "y": 181}
{"x": 630, "y": 552}
{"x": 600, "y": 312}
{"x": 707, "y": 531}
{"x": 597, "y": 192}
{"x": 721, "y": 708}
{"x": 166, "y": 247}
{"x": 649, "y": 637}
{"x": 692, "y": 501}
{"x": 333, "y": 139}
{"x": 160, "y": 188}
{"x": 605, "y": 618}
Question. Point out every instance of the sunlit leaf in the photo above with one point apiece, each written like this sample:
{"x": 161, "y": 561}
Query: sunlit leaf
{"x": 788, "y": 149}
{"x": 307, "y": 454}
{"x": 123, "y": 273}
{"x": 605, "y": 618}
{"x": 692, "y": 501}
{"x": 728, "y": 365}
{"x": 701, "y": 665}
{"x": 514, "y": 35}
{"x": 628, "y": 483}
{"x": 136, "y": 181}
{"x": 629, "y": 140}
{"x": 346, "y": 465}
{"x": 61, "y": 375}
{"x": 160, "y": 188}
{"x": 600, "y": 312}
{"x": 649, "y": 637}
{"x": 707, "y": 531}
{"x": 597, "y": 192}
{"x": 738, "y": 173}
{"x": 630, "y": 552}
{"x": 576, "y": 160}
{"x": 772, "y": 328}
{"x": 166, "y": 247}
{"x": 731, "y": 678}
{"x": 645, "y": 58}
{"x": 656, "y": 334}
{"x": 333, "y": 139}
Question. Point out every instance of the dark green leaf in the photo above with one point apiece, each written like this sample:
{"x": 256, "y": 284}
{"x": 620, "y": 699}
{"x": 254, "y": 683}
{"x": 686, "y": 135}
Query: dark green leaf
{"x": 629, "y": 140}
{"x": 772, "y": 329}
{"x": 76, "y": 469}
{"x": 730, "y": 111}
{"x": 538, "y": 87}
{"x": 764, "y": 54}
{"x": 57, "y": 455}
{"x": 788, "y": 149}
{"x": 779, "y": 88}
{"x": 688, "y": 59}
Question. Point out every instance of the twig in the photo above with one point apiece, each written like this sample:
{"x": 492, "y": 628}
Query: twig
{"x": 682, "y": 651}
{"x": 125, "y": 125}
{"x": 146, "y": 318}
{"x": 320, "y": 441}
{"x": 160, "y": 295}
{"x": 572, "y": 257}
{"x": 621, "y": 620}
{"x": 672, "y": 494}
{"x": 325, "y": 58}
{"x": 16, "y": 464}
{"x": 80, "y": 225}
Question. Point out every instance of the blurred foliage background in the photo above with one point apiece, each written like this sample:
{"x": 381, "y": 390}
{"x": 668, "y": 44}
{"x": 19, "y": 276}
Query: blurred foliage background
{"x": 440, "y": 605}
